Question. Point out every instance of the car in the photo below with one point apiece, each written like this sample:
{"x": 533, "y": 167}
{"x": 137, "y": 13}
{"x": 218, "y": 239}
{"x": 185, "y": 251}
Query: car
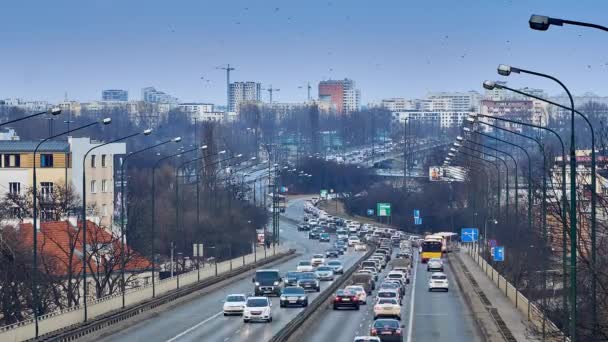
{"x": 438, "y": 281}
{"x": 325, "y": 272}
{"x": 267, "y": 282}
{"x": 291, "y": 278}
{"x": 317, "y": 259}
{"x": 303, "y": 227}
{"x": 234, "y": 304}
{"x": 344, "y": 298}
{"x": 352, "y": 240}
{"x": 398, "y": 275}
{"x": 434, "y": 264}
{"x": 293, "y": 295}
{"x": 367, "y": 339}
{"x": 339, "y": 248}
{"x": 342, "y": 245}
{"x": 359, "y": 291}
{"x": 388, "y": 293}
{"x": 370, "y": 263}
{"x": 381, "y": 260}
{"x": 392, "y": 285}
{"x": 324, "y": 237}
{"x": 360, "y": 247}
{"x": 257, "y": 309}
{"x": 387, "y": 307}
{"x": 332, "y": 253}
{"x": 313, "y": 234}
{"x": 337, "y": 266}
{"x": 372, "y": 270}
{"x": 387, "y": 329}
{"x": 309, "y": 281}
{"x": 398, "y": 282}
{"x": 304, "y": 266}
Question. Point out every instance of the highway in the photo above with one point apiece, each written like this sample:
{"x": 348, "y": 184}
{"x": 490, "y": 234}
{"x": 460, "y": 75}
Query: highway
{"x": 438, "y": 316}
{"x": 202, "y": 319}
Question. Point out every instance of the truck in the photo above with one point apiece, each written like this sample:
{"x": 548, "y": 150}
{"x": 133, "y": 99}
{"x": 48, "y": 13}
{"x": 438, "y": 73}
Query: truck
{"x": 366, "y": 280}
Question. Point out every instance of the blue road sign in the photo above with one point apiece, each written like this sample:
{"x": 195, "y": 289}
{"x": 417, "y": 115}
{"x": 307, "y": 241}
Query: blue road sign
{"x": 370, "y": 212}
{"x": 498, "y": 253}
{"x": 417, "y": 221}
{"x": 469, "y": 234}
{"x": 416, "y": 213}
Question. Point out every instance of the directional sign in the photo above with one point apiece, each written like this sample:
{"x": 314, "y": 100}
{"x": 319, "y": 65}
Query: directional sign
{"x": 370, "y": 212}
{"x": 416, "y": 213}
{"x": 498, "y": 253}
{"x": 383, "y": 209}
{"x": 469, "y": 234}
{"x": 417, "y": 221}
{"x": 323, "y": 193}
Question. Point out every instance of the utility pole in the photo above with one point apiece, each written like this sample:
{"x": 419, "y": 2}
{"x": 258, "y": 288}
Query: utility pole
{"x": 309, "y": 87}
{"x": 270, "y": 90}
{"x": 228, "y": 70}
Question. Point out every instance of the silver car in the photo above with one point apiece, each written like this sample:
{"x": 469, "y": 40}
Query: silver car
{"x": 325, "y": 272}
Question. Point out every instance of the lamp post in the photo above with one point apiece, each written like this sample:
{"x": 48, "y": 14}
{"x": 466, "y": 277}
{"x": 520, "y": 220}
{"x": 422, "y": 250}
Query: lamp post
{"x": 122, "y": 208}
{"x": 105, "y": 121}
{"x": 53, "y": 111}
{"x": 153, "y": 229}
{"x": 84, "y": 208}
{"x": 542, "y": 23}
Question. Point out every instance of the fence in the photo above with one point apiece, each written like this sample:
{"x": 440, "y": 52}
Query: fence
{"x": 534, "y": 314}
{"x": 53, "y": 321}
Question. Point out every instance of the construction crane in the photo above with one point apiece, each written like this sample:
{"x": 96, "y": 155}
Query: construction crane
{"x": 308, "y": 87}
{"x": 270, "y": 90}
{"x": 228, "y": 70}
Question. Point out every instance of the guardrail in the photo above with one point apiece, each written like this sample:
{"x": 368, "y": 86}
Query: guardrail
{"x": 67, "y": 325}
{"x": 533, "y": 312}
{"x": 288, "y": 330}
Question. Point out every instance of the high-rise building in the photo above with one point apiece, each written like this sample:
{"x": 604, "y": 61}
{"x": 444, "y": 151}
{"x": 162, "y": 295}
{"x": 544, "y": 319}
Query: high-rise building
{"x": 243, "y": 92}
{"x": 342, "y": 94}
{"x": 114, "y": 95}
{"x": 151, "y": 95}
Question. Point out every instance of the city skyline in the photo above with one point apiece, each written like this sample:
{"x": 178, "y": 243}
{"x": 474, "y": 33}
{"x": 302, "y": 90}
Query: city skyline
{"x": 393, "y": 50}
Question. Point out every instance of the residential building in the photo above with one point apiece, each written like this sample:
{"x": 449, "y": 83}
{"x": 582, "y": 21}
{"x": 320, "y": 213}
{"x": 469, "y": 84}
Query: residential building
{"x": 519, "y": 110}
{"x": 102, "y": 186}
{"x": 241, "y": 92}
{"x": 443, "y": 119}
{"x": 114, "y": 95}
{"x": 398, "y": 104}
{"x": 455, "y": 101}
{"x": 341, "y": 94}
{"x": 32, "y": 106}
{"x": 150, "y": 94}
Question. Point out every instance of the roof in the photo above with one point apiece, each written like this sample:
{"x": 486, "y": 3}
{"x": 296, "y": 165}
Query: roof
{"x": 29, "y": 146}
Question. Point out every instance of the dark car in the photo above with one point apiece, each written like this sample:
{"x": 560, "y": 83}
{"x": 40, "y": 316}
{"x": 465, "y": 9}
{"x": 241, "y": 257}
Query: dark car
{"x": 303, "y": 227}
{"x": 339, "y": 248}
{"x": 332, "y": 253}
{"x": 343, "y": 245}
{"x": 324, "y": 237}
{"x": 345, "y": 299}
{"x": 309, "y": 281}
{"x": 313, "y": 234}
{"x": 387, "y": 329}
{"x": 293, "y": 295}
{"x": 267, "y": 282}
{"x": 291, "y": 278}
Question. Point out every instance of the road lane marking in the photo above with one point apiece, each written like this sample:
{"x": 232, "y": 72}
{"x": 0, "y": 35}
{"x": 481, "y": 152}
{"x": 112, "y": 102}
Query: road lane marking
{"x": 194, "y": 327}
{"x": 413, "y": 295}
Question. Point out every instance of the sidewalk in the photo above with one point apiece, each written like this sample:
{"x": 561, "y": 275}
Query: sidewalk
{"x": 514, "y": 319}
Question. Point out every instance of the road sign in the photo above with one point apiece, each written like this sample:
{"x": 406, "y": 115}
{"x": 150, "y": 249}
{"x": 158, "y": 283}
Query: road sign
{"x": 492, "y": 243}
{"x": 416, "y": 213}
{"x": 417, "y": 221}
{"x": 498, "y": 253}
{"x": 323, "y": 193}
{"x": 197, "y": 250}
{"x": 383, "y": 209}
{"x": 370, "y": 212}
{"x": 469, "y": 234}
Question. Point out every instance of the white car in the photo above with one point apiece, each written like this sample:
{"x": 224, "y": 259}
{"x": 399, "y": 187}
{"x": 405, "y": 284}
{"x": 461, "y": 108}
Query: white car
{"x": 257, "y": 309}
{"x": 317, "y": 259}
{"x": 305, "y": 266}
{"x": 360, "y": 291}
{"x": 398, "y": 275}
{"x": 360, "y": 247}
{"x": 434, "y": 264}
{"x": 438, "y": 281}
{"x": 388, "y": 293}
{"x": 367, "y": 339}
{"x": 325, "y": 273}
{"x": 234, "y": 304}
{"x": 353, "y": 240}
{"x": 387, "y": 307}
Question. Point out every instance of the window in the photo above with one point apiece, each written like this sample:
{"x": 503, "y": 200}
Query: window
{"x": 104, "y": 210}
{"x": 93, "y": 187}
{"x": 12, "y": 160}
{"x": 93, "y": 160}
{"x": 103, "y": 160}
{"x": 14, "y": 188}
{"x": 46, "y": 189}
{"x": 46, "y": 160}
{"x": 104, "y": 186}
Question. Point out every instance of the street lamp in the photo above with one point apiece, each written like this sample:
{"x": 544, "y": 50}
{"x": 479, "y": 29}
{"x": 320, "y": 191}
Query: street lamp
{"x": 105, "y": 121}
{"x": 542, "y": 23}
{"x": 53, "y": 111}
{"x": 84, "y": 208}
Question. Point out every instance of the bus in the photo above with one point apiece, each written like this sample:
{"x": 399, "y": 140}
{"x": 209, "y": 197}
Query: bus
{"x": 448, "y": 241}
{"x": 431, "y": 247}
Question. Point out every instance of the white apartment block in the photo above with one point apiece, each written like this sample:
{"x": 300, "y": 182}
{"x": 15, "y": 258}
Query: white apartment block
{"x": 444, "y": 119}
{"x": 455, "y": 101}
{"x": 243, "y": 92}
{"x": 398, "y": 104}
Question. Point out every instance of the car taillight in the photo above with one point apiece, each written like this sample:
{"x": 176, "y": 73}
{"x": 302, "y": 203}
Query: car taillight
{"x": 353, "y": 298}
{"x": 373, "y": 332}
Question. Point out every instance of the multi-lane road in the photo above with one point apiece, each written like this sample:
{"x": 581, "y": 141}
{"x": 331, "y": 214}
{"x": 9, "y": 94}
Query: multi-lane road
{"x": 202, "y": 319}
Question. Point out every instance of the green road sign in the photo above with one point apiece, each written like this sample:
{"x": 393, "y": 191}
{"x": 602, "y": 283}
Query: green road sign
{"x": 323, "y": 193}
{"x": 383, "y": 209}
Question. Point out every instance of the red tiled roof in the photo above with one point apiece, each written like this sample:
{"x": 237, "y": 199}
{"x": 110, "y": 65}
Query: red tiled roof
{"x": 60, "y": 244}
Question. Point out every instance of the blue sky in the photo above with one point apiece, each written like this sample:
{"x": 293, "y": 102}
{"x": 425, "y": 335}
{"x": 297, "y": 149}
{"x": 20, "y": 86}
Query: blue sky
{"x": 389, "y": 47}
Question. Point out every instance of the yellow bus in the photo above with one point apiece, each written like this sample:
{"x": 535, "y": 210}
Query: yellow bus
{"x": 431, "y": 247}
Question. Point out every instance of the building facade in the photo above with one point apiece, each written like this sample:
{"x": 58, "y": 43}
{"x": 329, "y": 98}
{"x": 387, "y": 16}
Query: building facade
{"x": 341, "y": 94}
{"x": 455, "y": 101}
{"x": 151, "y": 95}
{"x": 114, "y": 95}
{"x": 534, "y": 112}
{"x": 241, "y": 92}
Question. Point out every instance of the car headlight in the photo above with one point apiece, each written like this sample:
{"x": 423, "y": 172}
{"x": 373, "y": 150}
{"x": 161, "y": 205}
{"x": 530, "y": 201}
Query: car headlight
{"x": 283, "y": 298}
{"x": 257, "y": 284}
{"x": 276, "y": 283}
{"x": 302, "y": 297}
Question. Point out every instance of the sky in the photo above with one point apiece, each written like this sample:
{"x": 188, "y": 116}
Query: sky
{"x": 391, "y": 48}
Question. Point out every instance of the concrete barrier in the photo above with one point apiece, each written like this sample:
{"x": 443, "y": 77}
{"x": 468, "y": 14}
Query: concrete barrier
{"x": 61, "y": 319}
